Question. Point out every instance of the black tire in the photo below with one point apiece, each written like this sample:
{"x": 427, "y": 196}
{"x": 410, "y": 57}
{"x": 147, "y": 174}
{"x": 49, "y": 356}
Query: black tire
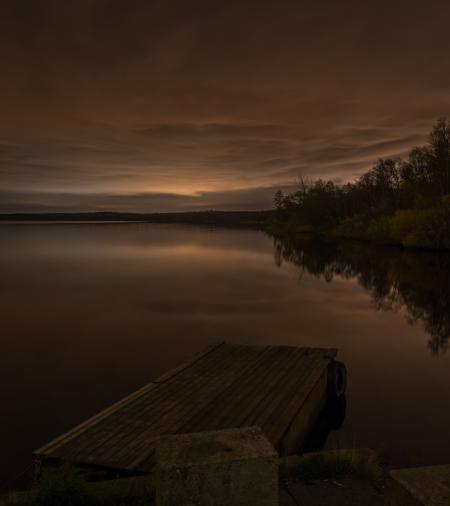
{"x": 337, "y": 380}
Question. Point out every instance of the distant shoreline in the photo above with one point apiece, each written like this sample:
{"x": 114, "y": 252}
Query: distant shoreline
{"x": 246, "y": 219}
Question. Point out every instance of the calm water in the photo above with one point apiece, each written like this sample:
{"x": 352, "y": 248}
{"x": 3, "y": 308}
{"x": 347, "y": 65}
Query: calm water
{"x": 91, "y": 312}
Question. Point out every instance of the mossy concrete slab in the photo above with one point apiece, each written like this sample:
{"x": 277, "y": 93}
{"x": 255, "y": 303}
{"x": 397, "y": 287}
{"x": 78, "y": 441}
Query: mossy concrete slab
{"x": 235, "y": 467}
{"x": 419, "y": 486}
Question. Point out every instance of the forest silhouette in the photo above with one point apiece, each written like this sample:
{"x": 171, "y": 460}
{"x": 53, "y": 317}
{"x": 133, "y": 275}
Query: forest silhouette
{"x": 401, "y": 202}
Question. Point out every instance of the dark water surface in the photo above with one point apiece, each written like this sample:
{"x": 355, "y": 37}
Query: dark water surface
{"x": 89, "y": 313}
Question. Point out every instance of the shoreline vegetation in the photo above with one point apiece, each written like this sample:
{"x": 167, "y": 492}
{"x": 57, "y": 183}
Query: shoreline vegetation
{"x": 398, "y": 202}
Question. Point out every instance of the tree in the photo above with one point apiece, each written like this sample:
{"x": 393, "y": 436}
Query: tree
{"x": 439, "y": 141}
{"x": 278, "y": 200}
{"x": 420, "y": 183}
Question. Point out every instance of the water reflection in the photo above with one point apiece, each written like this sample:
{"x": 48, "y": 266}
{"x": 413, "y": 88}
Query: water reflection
{"x": 90, "y": 313}
{"x": 418, "y": 282}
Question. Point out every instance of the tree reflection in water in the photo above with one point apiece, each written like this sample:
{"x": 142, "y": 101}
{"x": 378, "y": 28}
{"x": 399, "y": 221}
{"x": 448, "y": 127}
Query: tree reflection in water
{"x": 417, "y": 281}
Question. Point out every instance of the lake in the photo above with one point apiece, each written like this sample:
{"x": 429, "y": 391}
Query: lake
{"x": 91, "y": 312}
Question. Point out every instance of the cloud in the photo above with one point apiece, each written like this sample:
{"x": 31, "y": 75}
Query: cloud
{"x": 168, "y": 97}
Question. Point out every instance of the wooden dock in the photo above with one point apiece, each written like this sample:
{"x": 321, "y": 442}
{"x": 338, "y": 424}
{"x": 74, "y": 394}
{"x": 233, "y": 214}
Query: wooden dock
{"x": 279, "y": 388}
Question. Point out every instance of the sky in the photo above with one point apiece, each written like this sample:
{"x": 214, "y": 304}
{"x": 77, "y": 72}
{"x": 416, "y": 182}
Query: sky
{"x": 173, "y": 105}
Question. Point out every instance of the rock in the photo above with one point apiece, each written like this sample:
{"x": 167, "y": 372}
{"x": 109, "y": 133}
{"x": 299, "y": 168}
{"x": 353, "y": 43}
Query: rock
{"x": 235, "y": 467}
{"x": 420, "y": 486}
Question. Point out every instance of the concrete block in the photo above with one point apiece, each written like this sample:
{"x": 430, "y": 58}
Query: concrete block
{"x": 235, "y": 467}
{"x": 419, "y": 486}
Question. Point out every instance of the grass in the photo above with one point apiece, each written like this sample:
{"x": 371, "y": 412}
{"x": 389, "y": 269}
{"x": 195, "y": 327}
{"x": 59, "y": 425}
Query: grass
{"x": 67, "y": 486}
{"x": 335, "y": 464}
{"x": 410, "y": 228}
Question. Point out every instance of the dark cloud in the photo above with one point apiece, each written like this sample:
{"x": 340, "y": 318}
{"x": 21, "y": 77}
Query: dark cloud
{"x": 105, "y": 97}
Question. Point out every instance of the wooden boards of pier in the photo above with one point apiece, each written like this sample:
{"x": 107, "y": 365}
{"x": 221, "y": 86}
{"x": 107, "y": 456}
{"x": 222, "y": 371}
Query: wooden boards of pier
{"x": 279, "y": 388}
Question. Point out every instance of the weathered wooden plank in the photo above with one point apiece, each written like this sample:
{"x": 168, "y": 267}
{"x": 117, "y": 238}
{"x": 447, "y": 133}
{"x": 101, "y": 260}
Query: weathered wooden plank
{"x": 304, "y": 419}
{"x": 246, "y": 394}
{"x": 162, "y": 415}
{"x": 277, "y": 430}
{"x": 288, "y": 385}
{"x": 79, "y": 429}
{"x": 203, "y": 403}
{"x": 243, "y": 382}
{"x": 120, "y": 405}
{"x": 171, "y": 422}
{"x": 120, "y": 422}
{"x": 283, "y": 395}
{"x": 188, "y": 364}
{"x": 226, "y": 386}
{"x": 208, "y": 394}
{"x": 240, "y": 379}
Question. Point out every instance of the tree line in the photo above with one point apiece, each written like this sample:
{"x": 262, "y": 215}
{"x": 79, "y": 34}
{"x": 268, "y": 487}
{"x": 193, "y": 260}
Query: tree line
{"x": 397, "y": 201}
